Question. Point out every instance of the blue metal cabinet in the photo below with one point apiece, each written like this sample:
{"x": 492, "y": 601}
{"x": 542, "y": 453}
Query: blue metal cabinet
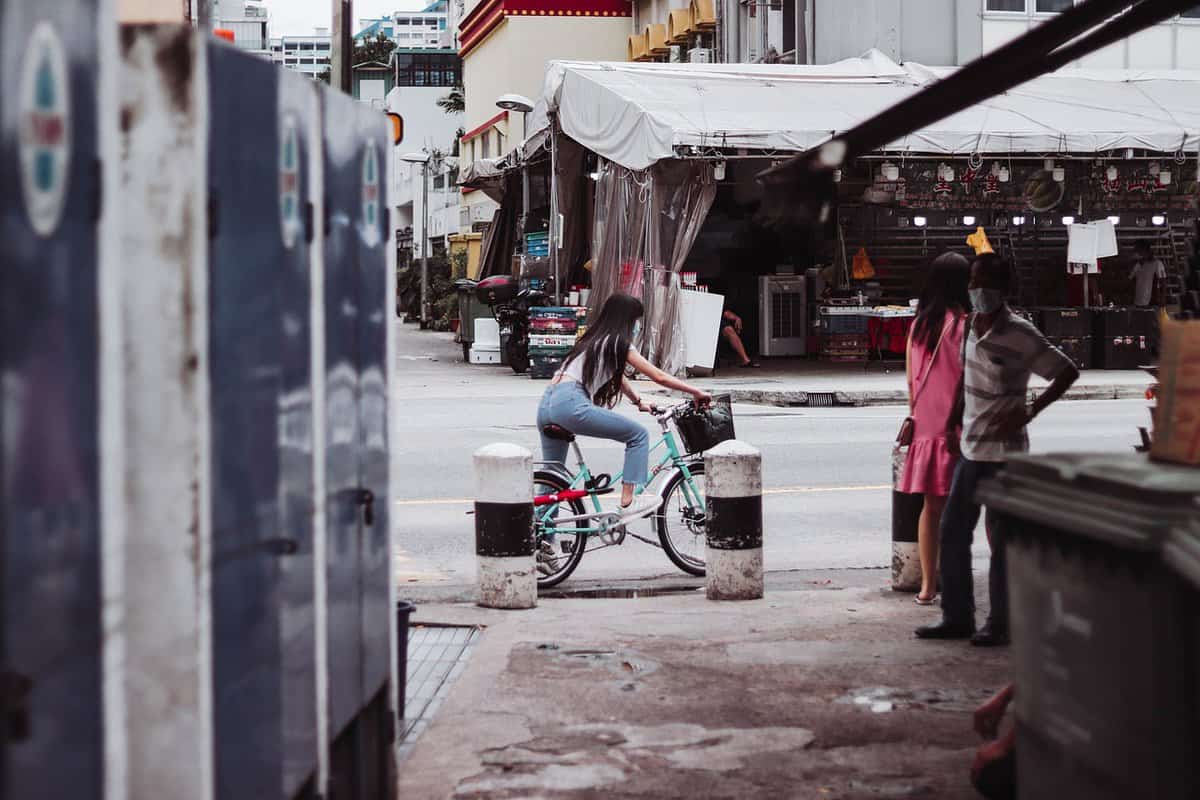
{"x": 262, "y": 477}
{"x": 356, "y": 462}
{"x": 51, "y": 734}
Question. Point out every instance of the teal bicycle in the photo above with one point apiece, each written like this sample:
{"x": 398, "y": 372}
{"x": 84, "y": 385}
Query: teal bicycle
{"x": 673, "y": 498}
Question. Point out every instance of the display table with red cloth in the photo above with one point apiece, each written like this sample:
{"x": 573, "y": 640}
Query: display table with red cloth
{"x": 887, "y": 331}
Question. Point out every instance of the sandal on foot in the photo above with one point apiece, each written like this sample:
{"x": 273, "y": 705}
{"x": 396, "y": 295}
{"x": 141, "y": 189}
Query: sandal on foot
{"x": 925, "y": 601}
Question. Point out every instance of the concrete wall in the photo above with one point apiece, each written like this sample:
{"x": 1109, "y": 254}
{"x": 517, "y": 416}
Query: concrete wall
{"x": 1171, "y": 45}
{"x": 514, "y": 57}
{"x": 934, "y": 32}
{"x": 149, "y": 11}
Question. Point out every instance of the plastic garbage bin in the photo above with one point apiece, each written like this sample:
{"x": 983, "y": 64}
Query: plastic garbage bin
{"x": 468, "y": 309}
{"x": 1097, "y": 628}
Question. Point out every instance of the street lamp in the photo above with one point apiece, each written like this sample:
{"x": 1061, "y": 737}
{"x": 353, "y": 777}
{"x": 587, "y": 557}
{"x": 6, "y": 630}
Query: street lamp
{"x": 517, "y": 102}
{"x": 422, "y": 158}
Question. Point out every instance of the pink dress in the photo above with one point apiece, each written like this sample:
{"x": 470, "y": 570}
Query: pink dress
{"x": 929, "y": 466}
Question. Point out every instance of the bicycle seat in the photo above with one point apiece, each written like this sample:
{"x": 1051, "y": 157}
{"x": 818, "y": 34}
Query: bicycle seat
{"x": 558, "y": 432}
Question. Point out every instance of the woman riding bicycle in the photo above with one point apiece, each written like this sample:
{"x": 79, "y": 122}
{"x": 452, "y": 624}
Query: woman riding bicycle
{"x": 584, "y": 390}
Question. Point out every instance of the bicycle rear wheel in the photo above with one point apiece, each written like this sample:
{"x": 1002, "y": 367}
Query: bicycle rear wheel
{"x": 680, "y": 520}
{"x": 558, "y": 551}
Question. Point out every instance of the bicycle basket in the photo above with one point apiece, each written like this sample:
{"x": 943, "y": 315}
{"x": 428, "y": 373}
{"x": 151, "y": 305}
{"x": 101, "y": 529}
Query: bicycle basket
{"x": 701, "y": 430}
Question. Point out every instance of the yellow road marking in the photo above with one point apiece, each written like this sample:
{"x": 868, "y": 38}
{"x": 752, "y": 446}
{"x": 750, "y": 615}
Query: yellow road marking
{"x": 463, "y": 501}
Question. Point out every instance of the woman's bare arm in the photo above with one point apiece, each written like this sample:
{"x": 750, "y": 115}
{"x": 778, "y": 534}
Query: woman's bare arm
{"x": 639, "y": 363}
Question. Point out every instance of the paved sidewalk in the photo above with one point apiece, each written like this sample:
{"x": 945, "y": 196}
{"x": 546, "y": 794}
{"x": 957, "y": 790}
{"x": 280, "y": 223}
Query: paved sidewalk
{"x": 817, "y": 691}
{"x": 784, "y": 382}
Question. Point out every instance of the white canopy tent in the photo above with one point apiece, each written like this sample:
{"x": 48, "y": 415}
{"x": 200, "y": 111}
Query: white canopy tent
{"x": 638, "y": 114}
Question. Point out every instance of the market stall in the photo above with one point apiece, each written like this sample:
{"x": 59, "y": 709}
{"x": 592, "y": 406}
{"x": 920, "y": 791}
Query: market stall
{"x": 670, "y": 151}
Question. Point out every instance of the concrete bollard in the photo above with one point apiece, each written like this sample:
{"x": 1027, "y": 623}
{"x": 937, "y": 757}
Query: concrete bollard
{"x": 906, "y": 519}
{"x": 733, "y": 488}
{"x": 504, "y": 543}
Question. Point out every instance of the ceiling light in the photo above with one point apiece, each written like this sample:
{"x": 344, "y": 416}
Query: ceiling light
{"x": 1164, "y": 177}
{"x": 1111, "y": 173}
{"x": 919, "y": 222}
{"x": 1018, "y": 220}
{"x": 1115, "y": 220}
{"x": 1059, "y": 174}
{"x": 1158, "y": 219}
{"x": 968, "y": 220}
{"x": 1068, "y": 220}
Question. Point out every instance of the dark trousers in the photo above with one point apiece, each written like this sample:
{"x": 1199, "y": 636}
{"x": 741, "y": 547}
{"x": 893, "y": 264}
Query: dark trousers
{"x": 957, "y": 532}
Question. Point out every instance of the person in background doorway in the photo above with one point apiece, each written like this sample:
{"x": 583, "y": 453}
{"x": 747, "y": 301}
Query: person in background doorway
{"x": 731, "y": 332}
{"x": 1145, "y": 271}
{"x": 1001, "y": 352}
{"x": 934, "y": 367}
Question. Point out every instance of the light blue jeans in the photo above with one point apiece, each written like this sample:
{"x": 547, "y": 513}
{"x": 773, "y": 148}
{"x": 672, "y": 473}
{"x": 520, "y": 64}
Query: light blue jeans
{"x": 567, "y": 405}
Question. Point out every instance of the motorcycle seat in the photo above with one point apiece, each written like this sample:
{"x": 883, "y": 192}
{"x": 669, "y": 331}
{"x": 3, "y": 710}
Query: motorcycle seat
{"x": 558, "y": 432}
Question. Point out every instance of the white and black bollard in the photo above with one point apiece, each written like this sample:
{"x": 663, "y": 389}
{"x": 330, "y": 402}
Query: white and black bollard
{"x": 906, "y": 519}
{"x": 504, "y": 543}
{"x": 733, "y": 488}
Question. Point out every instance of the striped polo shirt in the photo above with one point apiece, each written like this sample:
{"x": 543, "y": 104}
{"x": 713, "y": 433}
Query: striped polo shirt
{"x": 996, "y": 374}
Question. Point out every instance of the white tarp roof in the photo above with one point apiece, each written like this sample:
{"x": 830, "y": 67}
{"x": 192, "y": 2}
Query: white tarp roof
{"x": 637, "y": 114}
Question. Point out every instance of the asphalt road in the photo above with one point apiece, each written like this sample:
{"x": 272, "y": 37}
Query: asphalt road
{"x": 826, "y": 475}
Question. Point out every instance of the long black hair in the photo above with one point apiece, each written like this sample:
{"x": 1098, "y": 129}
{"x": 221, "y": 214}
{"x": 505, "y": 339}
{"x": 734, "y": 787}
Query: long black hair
{"x": 605, "y": 346}
{"x": 946, "y": 289}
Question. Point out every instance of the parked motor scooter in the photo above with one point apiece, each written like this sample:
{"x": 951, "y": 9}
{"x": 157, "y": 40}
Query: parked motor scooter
{"x": 510, "y": 306}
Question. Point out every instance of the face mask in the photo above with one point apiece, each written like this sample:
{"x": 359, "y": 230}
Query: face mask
{"x": 986, "y": 301}
{"x": 637, "y": 330}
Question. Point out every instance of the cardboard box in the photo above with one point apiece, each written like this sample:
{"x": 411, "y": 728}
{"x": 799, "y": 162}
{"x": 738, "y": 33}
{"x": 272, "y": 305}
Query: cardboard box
{"x": 1177, "y": 415}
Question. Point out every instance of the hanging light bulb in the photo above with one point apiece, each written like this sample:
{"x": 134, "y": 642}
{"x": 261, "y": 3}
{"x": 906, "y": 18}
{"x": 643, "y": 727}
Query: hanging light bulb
{"x": 1048, "y": 164}
{"x": 1164, "y": 177}
{"x": 1068, "y": 220}
{"x": 1112, "y": 173}
{"x": 1018, "y": 220}
{"x": 919, "y": 221}
{"x": 1004, "y": 175}
{"x": 719, "y": 171}
{"x": 1153, "y": 168}
{"x": 996, "y": 168}
{"x": 1059, "y": 174}
{"x": 837, "y": 176}
{"x": 889, "y": 171}
{"x": 948, "y": 175}
{"x": 1115, "y": 220}
{"x": 968, "y": 220}
{"x": 1158, "y": 219}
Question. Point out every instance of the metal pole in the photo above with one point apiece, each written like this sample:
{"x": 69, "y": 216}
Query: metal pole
{"x": 554, "y": 229}
{"x": 524, "y": 184}
{"x": 425, "y": 244}
{"x": 204, "y": 14}
{"x": 343, "y": 45}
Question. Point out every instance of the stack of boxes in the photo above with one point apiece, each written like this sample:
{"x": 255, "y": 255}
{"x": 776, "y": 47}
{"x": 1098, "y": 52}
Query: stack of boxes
{"x": 552, "y": 334}
{"x": 1070, "y": 330}
{"x": 537, "y": 245}
{"x": 843, "y": 334}
{"x": 1123, "y": 337}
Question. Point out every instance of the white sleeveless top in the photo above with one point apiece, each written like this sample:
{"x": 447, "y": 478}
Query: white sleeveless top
{"x": 574, "y": 371}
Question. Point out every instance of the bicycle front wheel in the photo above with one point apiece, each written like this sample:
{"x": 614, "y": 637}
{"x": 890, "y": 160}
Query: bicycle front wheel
{"x": 559, "y": 549}
{"x": 681, "y": 518}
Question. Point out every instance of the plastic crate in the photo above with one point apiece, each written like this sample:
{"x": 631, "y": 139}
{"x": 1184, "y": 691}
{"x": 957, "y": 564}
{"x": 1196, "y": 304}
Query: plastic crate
{"x": 843, "y": 323}
{"x": 543, "y": 366}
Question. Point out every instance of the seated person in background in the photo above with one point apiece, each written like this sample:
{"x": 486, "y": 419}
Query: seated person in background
{"x": 731, "y": 331}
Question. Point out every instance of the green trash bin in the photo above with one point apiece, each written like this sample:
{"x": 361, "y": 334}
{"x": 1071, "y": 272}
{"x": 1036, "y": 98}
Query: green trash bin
{"x": 1097, "y": 625}
{"x": 469, "y": 310}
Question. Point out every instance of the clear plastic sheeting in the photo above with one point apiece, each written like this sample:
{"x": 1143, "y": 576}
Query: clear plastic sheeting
{"x": 645, "y": 225}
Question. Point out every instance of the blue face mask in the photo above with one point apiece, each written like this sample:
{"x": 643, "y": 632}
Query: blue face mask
{"x": 637, "y": 331}
{"x": 986, "y": 301}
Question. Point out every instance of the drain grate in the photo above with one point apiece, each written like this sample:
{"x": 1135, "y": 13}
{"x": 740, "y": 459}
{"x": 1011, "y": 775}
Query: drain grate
{"x": 437, "y": 654}
{"x": 605, "y": 594}
{"x": 820, "y": 400}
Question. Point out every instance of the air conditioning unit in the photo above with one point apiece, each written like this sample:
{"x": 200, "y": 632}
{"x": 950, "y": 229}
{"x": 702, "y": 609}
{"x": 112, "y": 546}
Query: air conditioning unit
{"x": 676, "y": 54}
{"x": 700, "y": 55}
{"x": 782, "y": 313}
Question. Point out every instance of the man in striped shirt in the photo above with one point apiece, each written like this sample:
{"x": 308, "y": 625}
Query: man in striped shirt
{"x": 1001, "y": 352}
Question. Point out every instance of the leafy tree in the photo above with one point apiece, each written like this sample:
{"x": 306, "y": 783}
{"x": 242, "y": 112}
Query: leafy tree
{"x": 454, "y": 102}
{"x": 378, "y": 49}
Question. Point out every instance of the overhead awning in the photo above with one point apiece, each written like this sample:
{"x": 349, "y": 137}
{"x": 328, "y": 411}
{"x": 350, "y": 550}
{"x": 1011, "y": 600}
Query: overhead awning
{"x": 638, "y": 114}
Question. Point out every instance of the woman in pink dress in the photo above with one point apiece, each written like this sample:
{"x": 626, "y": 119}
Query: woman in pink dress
{"x": 934, "y": 366}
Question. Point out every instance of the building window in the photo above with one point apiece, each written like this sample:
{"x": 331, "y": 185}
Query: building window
{"x": 428, "y": 69}
{"x": 403, "y": 21}
{"x": 307, "y": 61}
{"x": 1052, "y": 6}
{"x": 289, "y": 61}
{"x": 1006, "y": 5}
{"x": 307, "y": 46}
